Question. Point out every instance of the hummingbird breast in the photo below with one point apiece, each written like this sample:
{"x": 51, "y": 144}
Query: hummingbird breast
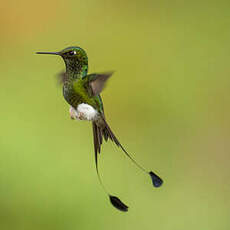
{"x": 73, "y": 98}
{"x": 77, "y": 95}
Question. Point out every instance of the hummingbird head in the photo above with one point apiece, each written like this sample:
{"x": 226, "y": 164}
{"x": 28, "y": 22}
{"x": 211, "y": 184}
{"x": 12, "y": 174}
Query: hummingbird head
{"x": 75, "y": 58}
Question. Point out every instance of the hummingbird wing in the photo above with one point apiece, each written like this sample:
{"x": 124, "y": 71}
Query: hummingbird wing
{"x": 61, "y": 77}
{"x": 96, "y": 82}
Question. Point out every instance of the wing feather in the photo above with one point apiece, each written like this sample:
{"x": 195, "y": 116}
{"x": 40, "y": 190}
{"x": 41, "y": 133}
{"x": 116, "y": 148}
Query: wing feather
{"x": 97, "y": 81}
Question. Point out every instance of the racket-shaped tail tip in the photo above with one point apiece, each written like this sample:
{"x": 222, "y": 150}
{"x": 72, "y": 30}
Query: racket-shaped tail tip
{"x": 157, "y": 181}
{"x": 117, "y": 203}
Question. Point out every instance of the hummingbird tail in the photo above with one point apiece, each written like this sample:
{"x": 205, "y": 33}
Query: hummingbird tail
{"x": 98, "y": 134}
{"x": 102, "y": 130}
{"x": 156, "y": 180}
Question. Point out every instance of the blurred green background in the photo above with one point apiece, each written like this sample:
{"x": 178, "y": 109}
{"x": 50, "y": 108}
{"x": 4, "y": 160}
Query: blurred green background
{"x": 168, "y": 102}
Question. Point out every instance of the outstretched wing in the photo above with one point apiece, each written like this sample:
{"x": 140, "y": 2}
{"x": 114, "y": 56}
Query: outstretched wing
{"x": 96, "y": 82}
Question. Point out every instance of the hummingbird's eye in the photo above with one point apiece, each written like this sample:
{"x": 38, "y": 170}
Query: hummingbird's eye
{"x": 72, "y": 52}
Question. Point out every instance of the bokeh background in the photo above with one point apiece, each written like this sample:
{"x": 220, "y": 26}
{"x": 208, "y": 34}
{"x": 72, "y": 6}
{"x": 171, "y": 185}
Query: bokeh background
{"x": 168, "y": 103}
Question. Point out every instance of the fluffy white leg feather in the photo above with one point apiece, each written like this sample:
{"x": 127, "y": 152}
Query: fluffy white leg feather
{"x": 83, "y": 112}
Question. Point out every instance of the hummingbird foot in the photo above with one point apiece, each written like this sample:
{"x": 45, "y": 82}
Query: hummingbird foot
{"x": 72, "y": 113}
{"x": 76, "y": 115}
{"x": 81, "y": 116}
{"x": 83, "y": 112}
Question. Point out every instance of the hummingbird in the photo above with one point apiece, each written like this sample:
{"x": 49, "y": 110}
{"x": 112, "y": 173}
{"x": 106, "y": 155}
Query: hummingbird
{"x": 82, "y": 92}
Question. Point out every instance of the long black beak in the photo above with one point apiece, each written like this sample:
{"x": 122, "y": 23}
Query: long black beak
{"x": 54, "y": 53}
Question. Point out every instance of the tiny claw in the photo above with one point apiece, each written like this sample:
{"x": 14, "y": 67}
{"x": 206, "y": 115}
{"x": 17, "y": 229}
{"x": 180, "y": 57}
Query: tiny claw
{"x": 80, "y": 116}
{"x": 117, "y": 203}
{"x": 157, "y": 181}
{"x": 72, "y": 113}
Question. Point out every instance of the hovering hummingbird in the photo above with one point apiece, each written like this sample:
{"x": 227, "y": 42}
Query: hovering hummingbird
{"x": 82, "y": 92}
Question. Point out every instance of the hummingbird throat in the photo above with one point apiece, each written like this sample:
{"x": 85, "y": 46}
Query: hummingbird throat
{"x": 75, "y": 69}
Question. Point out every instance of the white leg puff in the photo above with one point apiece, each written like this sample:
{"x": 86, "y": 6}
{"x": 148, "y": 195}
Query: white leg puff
{"x": 83, "y": 112}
